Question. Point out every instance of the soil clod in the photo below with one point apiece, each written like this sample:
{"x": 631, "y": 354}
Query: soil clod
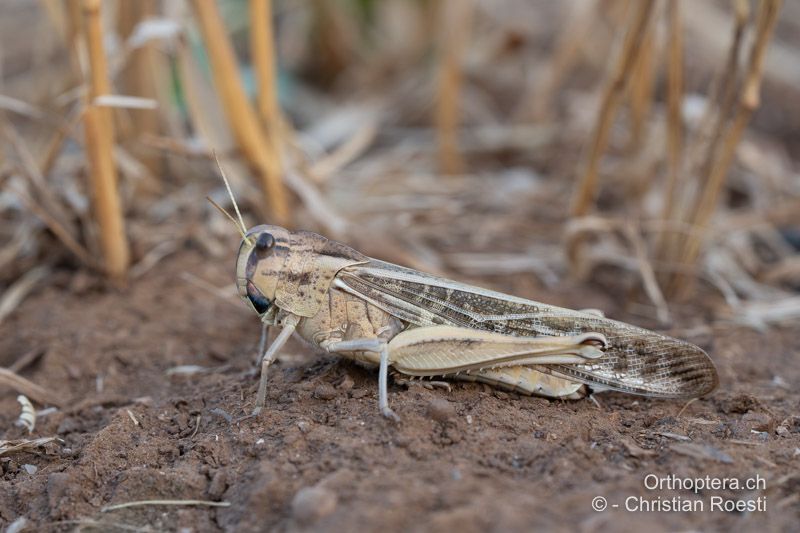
{"x": 441, "y": 410}
{"x": 311, "y": 504}
{"x": 325, "y": 391}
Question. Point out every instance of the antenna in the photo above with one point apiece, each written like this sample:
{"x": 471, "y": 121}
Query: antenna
{"x": 222, "y": 210}
{"x": 243, "y": 229}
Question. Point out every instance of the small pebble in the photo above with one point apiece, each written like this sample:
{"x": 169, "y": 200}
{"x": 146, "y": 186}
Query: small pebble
{"x": 222, "y": 414}
{"x": 18, "y": 525}
{"x": 453, "y": 434}
{"x": 358, "y": 393}
{"x": 441, "y": 410}
{"x": 58, "y": 486}
{"x": 69, "y": 425}
{"x": 402, "y": 441}
{"x": 763, "y": 436}
{"x": 219, "y": 483}
{"x": 30, "y": 469}
{"x": 347, "y": 383}
{"x": 325, "y": 391}
{"x": 311, "y": 504}
{"x": 761, "y": 422}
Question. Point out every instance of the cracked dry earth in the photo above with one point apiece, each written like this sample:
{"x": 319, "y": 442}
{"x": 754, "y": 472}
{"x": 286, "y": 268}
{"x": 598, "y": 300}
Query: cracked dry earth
{"x": 322, "y": 458}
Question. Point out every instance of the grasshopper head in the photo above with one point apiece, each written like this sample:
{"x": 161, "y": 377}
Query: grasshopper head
{"x": 276, "y": 269}
{"x": 262, "y": 254}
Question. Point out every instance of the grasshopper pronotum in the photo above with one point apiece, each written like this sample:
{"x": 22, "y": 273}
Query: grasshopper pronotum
{"x": 420, "y": 325}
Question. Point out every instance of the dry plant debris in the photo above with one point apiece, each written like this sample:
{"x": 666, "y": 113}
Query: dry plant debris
{"x": 10, "y": 447}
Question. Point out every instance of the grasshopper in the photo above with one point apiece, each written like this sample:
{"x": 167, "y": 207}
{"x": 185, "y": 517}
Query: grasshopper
{"x": 420, "y": 325}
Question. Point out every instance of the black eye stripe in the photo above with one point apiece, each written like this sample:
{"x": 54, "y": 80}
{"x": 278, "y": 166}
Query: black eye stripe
{"x": 260, "y": 302}
{"x": 252, "y": 263}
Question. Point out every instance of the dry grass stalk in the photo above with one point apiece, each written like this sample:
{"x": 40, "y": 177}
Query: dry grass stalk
{"x": 785, "y": 272}
{"x": 32, "y": 171}
{"x": 56, "y": 13}
{"x": 17, "y": 292}
{"x": 12, "y": 248}
{"x": 347, "y": 152}
{"x": 724, "y": 93}
{"x": 570, "y": 41}
{"x": 625, "y": 248}
{"x": 748, "y": 102}
{"x": 612, "y": 98}
{"x": 262, "y": 52}
{"x": 337, "y": 37}
{"x": 138, "y": 79}
{"x": 153, "y": 257}
{"x": 58, "y": 229}
{"x": 641, "y": 91}
{"x": 675, "y": 177}
{"x": 649, "y": 281}
{"x": 141, "y": 503}
{"x": 335, "y": 225}
{"x": 454, "y": 23}
{"x": 674, "y": 100}
{"x": 99, "y": 82}
{"x": 26, "y": 360}
{"x": 222, "y": 293}
{"x": 760, "y": 315}
{"x": 181, "y": 147}
{"x": 74, "y": 31}
{"x": 203, "y": 106}
{"x": 28, "y": 388}
{"x": 249, "y": 134}
{"x": 56, "y": 144}
{"x": 25, "y": 109}
{"x": 99, "y": 132}
{"x": 125, "y": 22}
{"x": 705, "y": 140}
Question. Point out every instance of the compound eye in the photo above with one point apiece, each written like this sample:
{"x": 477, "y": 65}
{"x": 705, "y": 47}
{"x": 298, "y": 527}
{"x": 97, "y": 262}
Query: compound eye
{"x": 259, "y": 301}
{"x": 264, "y": 242}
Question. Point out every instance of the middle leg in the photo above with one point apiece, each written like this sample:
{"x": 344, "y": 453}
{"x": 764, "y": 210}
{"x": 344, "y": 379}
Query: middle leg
{"x": 375, "y": 345}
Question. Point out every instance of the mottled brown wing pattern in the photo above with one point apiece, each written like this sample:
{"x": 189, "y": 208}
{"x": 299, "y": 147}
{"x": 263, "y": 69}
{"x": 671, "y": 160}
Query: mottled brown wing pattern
{"x": 637, "y": 360}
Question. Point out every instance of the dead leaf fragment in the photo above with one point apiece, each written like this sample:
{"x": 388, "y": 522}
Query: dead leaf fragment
{"x": 702, "y": 451}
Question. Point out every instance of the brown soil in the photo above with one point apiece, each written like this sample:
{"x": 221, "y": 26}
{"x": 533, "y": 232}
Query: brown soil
{"x": 322, "y": 457}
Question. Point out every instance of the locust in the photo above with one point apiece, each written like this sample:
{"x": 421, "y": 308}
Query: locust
{"x": 424, "y": 326}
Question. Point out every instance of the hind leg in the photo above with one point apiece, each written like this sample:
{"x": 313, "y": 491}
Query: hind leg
{"x": 528, "y": 380}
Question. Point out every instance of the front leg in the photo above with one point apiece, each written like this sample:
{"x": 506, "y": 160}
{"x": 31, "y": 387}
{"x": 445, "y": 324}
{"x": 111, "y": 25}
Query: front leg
{"x": 375, "y": 345}
{"x": 289, "y": 326}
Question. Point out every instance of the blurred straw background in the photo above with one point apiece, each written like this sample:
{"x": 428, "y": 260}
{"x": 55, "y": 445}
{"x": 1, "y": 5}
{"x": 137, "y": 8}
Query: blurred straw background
{"x": 542, "y": 139}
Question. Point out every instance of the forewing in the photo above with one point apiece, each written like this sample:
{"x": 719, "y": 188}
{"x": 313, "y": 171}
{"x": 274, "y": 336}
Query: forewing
{"x": 637, "y": 360}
